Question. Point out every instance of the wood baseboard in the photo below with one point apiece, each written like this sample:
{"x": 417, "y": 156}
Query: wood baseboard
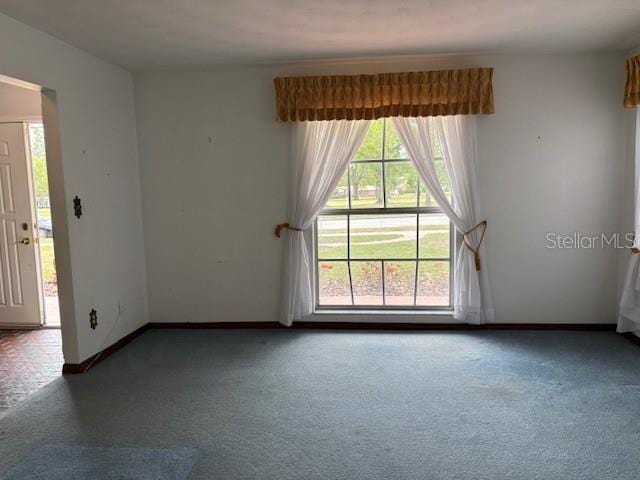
{"x": 70, "y": 368}
{"x": 215, "y": 325}
{"x": 100, "y": 356}
{"x": 631, "y": 337}
{"x": 455, "y": 326}
{"x": 388, "y": 326}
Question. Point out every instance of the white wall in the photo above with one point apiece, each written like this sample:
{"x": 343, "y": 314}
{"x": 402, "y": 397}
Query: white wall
{"x": 551, "y": 160}
{"x": 19, "y": 104}
{"x": 100, "y": 164}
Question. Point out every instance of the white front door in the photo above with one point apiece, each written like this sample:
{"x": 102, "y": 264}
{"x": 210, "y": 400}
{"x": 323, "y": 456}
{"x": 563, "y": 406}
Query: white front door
{"x": 20, "y": 286}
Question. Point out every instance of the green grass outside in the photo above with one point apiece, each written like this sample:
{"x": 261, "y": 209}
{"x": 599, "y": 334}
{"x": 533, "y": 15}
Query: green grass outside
{"x": 357, "y": 238}
{"x": 435, "y": 245}
{"x": 47, "y": 257}
{"x": 407, "y": 200}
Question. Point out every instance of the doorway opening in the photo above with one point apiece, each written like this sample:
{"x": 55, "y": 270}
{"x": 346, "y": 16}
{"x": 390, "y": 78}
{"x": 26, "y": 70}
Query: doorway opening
{"x": 45, "y": 244}
{"x": 31, "y": 325}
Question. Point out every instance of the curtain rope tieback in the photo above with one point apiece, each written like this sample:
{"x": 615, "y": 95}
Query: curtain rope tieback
{"x": 634, "y": 249}
{"x": 280, "y": 226}
{"x": 476, "y": 251}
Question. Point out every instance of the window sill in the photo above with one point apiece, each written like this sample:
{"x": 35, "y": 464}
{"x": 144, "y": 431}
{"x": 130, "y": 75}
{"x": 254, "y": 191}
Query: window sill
{"x": 383, "y": 316}
{"x": 337, "y": 311}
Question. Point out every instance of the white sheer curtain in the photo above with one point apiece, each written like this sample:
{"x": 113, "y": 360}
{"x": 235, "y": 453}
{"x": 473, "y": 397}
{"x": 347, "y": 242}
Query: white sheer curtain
{"x": 471, "y": 297}
{"x": 629, "y": 313}
{"x": 321, "y": 154}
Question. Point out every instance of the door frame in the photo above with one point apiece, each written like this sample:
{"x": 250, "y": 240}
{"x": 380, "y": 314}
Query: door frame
{"x": 59, "y": 214}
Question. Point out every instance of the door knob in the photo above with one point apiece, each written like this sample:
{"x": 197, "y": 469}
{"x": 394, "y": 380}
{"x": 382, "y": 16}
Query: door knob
{"x": 25, "y": 241}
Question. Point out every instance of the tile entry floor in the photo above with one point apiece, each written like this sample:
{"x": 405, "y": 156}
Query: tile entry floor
{"x": 29, "y": 360}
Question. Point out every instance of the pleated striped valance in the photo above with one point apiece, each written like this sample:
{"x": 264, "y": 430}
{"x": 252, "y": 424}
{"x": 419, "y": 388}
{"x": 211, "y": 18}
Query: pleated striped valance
{"x": 367, "y": 97}
{"x": 632, "y": 86}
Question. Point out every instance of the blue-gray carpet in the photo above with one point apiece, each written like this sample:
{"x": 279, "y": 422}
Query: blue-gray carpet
{"x": 287, "y": 404}
{"x": 65, "y": 462}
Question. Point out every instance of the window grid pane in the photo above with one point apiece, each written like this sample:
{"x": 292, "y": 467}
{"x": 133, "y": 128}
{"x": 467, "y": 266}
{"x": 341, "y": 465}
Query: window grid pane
{"x": 334, "y": 283}
{"x": 393, "y": 259}
{"x": 367, "y": 283}
{"x": 401, "y": 180}
{"x": 366, "y": 185}
{"x": 433, "y": 283}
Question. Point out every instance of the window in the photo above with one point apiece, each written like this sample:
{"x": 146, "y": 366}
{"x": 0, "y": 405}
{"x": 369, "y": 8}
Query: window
{"x": 381, "y": 241}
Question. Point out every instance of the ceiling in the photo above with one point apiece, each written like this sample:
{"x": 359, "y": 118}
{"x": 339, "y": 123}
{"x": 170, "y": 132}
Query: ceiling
{"x": 152, "y": 34}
